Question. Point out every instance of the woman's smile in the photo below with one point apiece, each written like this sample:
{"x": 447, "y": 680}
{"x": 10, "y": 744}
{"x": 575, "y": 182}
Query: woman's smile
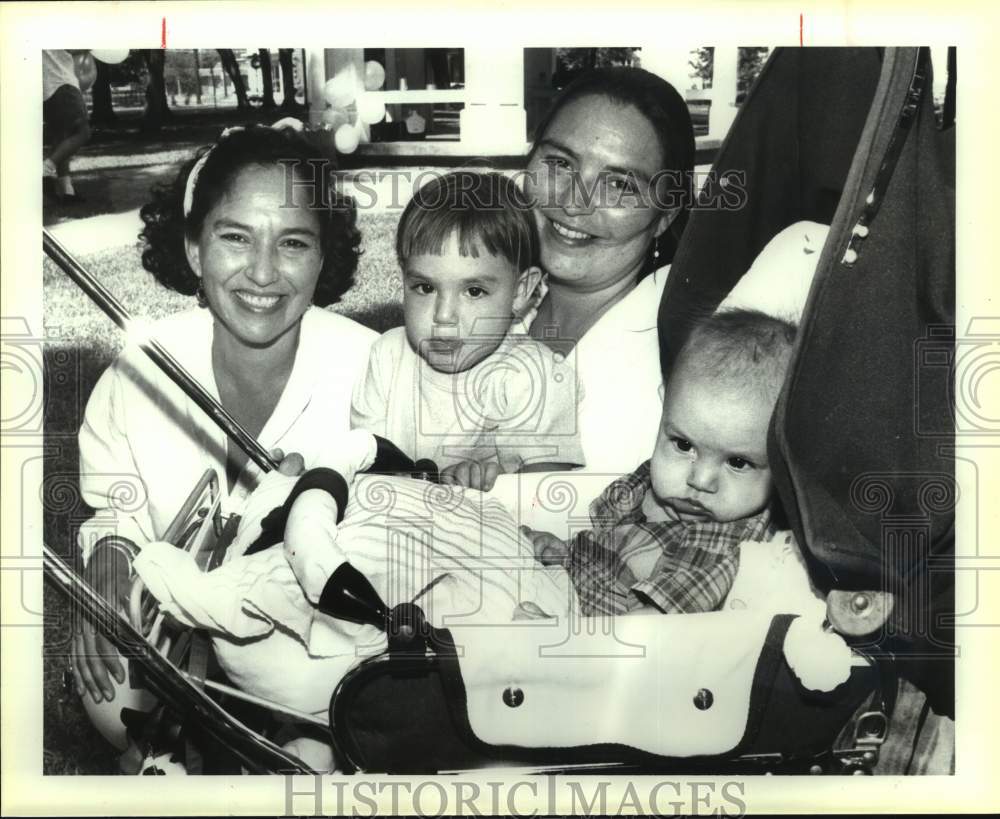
{"x": 575, "y": 237}
{"x": 258, "y": 302}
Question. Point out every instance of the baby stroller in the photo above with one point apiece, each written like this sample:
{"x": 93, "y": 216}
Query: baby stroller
{"x": 872, "y": 163}
{"x": 849, "y": 138}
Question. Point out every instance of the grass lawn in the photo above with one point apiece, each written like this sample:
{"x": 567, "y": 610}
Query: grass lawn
{"x": 81, "y": 342}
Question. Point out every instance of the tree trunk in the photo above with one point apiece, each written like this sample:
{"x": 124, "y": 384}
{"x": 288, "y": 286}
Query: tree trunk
{"x": 438, "y": 58}
{"x": 268, "y": 77}
{"x": 231, "y": 67}
{"x": 157, "y": 110}
{"x": 285, "y": 59}
{"x": 103, "y": 112}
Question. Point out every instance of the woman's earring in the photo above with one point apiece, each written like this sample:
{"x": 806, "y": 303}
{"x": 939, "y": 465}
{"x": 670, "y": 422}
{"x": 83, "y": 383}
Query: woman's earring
{"x": 200, "y": 295}
{"x": 656, "y": 248}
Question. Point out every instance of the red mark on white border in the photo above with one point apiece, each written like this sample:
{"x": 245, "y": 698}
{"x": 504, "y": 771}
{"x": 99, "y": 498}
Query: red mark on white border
{"x": 800, "y": 30}
{"x": 163, "y": 33}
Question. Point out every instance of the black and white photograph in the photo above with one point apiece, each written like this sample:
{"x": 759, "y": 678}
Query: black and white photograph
{"x": 450, "y": 412}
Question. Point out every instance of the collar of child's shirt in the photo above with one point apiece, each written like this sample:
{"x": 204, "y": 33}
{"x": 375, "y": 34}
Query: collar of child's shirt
{"x": 621, "y": 503}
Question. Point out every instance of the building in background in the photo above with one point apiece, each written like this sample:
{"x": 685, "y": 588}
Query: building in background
{"x": 485, "y": 101}
{"x": 438, "y": 102}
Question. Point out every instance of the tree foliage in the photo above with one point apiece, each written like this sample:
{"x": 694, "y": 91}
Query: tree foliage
{"x": 573, "y": 61}
{"x": 749, "y": 62}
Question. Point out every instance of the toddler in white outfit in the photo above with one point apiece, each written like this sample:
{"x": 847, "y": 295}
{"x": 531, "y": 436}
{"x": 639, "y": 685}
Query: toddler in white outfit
{"x": 455, "y": 385}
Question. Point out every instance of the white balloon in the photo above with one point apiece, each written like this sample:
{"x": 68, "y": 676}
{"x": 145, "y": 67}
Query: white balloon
{"x": 370, "y": 109}
{"x": 374, "y": 75}
{"x": 334, "y": 118}
{"x": 85, "y": 69}
{"x": 340, "y": 91}
{"x": 346, "y": 138}
{"x": 110, "y": 56}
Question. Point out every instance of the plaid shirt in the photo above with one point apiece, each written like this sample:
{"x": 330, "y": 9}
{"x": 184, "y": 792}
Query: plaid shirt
{"x": 626, "y": 562}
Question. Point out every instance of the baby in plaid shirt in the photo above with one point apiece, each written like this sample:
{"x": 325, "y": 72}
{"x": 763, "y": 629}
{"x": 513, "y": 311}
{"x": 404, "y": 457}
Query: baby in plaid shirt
{"x": 667, "y": 535}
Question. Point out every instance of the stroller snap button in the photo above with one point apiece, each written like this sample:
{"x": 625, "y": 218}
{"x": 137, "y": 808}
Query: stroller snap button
{"x": 703, "y": 699}
{"x": 513, "y": 697}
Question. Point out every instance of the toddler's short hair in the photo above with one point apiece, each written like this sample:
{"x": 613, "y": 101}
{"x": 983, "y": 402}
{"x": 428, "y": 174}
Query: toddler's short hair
{"x": 484, "y": 210}
{"x": 746, "y": 348}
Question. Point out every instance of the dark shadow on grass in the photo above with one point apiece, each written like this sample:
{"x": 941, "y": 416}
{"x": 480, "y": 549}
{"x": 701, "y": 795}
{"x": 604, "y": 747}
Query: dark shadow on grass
{"x": 118, "y": 190}
{"x": 198, "y": 126}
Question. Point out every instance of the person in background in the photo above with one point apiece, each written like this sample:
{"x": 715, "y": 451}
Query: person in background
{"x": 65, "y": 114}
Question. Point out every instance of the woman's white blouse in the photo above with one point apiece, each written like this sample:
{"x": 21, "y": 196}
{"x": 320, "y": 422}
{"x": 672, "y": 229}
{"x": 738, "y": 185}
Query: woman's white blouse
{"x": 144, "y": 444}
{"x": 618, "y": 364}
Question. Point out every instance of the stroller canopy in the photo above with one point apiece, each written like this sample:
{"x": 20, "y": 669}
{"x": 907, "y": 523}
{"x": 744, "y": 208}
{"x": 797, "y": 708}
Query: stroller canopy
{"x": 861, "y": 439}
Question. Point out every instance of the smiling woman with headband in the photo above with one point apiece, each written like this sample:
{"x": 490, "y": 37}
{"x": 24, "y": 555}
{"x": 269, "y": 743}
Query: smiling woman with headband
{"x": 262, "y": 255}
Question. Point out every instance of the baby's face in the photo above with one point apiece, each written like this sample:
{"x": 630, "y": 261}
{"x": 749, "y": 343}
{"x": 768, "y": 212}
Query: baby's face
{"x": 457, "y": 309}
{"x": 710, "y": 461}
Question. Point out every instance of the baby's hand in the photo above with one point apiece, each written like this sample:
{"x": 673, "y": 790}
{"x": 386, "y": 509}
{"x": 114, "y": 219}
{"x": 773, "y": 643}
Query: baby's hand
{"x": 292, "y": 464}
{"x": 549, "y": 550}
{"x": 471, "y": 474}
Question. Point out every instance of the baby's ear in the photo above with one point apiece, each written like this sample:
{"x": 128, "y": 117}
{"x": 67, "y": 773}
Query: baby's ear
{"x": 527, "y": 283}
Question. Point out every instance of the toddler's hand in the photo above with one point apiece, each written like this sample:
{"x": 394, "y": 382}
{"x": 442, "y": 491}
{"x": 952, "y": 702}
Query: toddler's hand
{"x": 472, "y": 475}
{"x": 292, "y": 464}
{"x": 549, "y": 550}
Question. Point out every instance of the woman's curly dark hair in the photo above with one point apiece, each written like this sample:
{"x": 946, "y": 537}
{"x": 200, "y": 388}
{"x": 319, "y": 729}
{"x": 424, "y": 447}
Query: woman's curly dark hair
{"x": 166, "y": 226}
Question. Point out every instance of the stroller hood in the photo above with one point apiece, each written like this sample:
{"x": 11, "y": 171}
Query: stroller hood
{"x": 861, "y": 441}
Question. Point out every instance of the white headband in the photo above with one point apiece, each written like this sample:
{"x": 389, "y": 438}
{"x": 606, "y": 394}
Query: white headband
{"x": 192, "y": 180}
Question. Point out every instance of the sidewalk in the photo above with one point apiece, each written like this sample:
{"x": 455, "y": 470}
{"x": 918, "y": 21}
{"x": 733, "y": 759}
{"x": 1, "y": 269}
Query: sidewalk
{"x": 82, "y": 237}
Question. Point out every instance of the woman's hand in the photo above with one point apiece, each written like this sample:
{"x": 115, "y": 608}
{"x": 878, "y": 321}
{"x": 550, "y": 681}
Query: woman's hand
{"x": 549, "y": 550}
{"x": 94, "y": 657}
{"x": 472, "y": 474}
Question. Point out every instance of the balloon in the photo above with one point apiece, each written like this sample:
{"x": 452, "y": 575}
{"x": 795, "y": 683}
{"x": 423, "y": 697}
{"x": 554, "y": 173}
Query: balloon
{"x": 374, "y": 75}
{"x": 340, "y": 91}
{"x": 346, "y": 138}
{"x": 334, "y": 118}
{"x": 110, "y": 56}
{"x": 370, "y": 109}
{"x": 86, "y": 70}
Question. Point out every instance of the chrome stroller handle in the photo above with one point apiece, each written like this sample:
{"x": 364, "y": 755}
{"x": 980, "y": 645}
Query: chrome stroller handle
{"x": 104, "y": 299}
{"x": 142, "y": 607}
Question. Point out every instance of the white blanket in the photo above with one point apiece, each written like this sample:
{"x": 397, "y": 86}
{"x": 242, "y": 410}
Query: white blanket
{"x": 402, "y": 535}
